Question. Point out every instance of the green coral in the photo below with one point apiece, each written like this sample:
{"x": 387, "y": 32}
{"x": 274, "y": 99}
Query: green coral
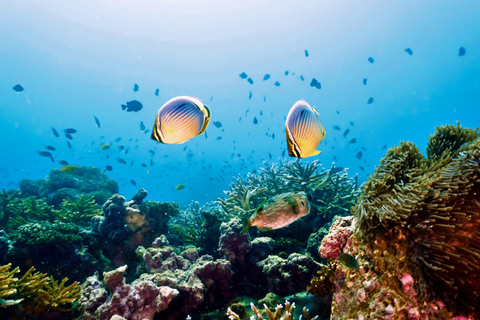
{"x": 46, "y": 233}
{"x": 29, "y": 210}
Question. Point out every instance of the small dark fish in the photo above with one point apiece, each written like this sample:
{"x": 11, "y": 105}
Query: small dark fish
{"x": 97, "y": 122}
{"x": 361, "y": 168}
{"x": 146, "y": 131}
{"x": 211, "y": 98}
{"x": 217, "y": 124}
{"x": 261, "y": 112}
{"x": 133, "y": 105}
{"x": 45, "y": 154}
{"x": 55, "y": 132}
{"x": 338, "y": 112}
{"x": 266, "y": 77}
{"x": 264, "y": 99}
{"x": 18, "y": 88}
{"x": 302, "y": 78}
{"x": 118, "y": 139}
{"x": 409, "y": 51}
{"x": 63, "y": 163}
{"x": 250, "y": 80}
{"x": 70, "y": 130}
{"x": 359, "y": 155}
{"x": 283, "y": 153}
{"x": 273, "y": 135}
{"x": 180, "y": 187}
{"x": 122, "y": 161}
{"x": 277, "y": 83}
{"x": 121, "y": 147}
{"x": 364, "y": 81}
{"x": 336, "y": 127}
{"x": 351, "y": 123}
{"x": 250, "y": 95}
{"x": 348, "y": 260}
{"x": 286, "y": 72}
{"x": 152, "y": 152}
{"x": 384, "y": 147}
{"x": 246, "y": 112}
{"x": 109, "y": 168}
{"x": 157, "y": 92}
{"x": 142, "y": 126}
{"x": 336, "y": 170}
{"x": 239, "y": 119}
{"x": 353, "y": 140}
{"x": 461, "y": 52}
{"x": 144, "y": 165}
{"x": 270, "y": 155}
{"x": 255, "y": 120}
{"x": 69, "y": 136}
{"x": 315, "y": 84}
{"x": 306, "y": 53}
{"x": 370, "y": 59}
{"x": 370, "y": 100}
{"x": 206, "y": 136}
{"x": 69, "y": 145}
{"x": 243, "y": 75}
{"x": 219, "y": 138}
{"x": 133, "y": 182}
{"x": 50, "y": 148}
{"x": 346, "y": 132}
{"x": 135, "y": 87}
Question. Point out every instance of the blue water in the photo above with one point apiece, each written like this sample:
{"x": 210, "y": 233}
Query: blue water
{"x": 80, "y": 60}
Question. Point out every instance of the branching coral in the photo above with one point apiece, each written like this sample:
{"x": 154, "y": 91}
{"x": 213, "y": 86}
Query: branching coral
{"x": 29, "y": 210}
{"x": 7, "y": 289}
{"x": 79, "y": 211}
{"x": 36, "y": 291}
{"x": 273, "y": 315}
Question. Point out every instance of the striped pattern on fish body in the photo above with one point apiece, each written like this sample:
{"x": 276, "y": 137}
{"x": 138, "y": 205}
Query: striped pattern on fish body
{"x": 279, "y": 211}
{"x": 180, "y": 119}
{"x": 304, "y": 130}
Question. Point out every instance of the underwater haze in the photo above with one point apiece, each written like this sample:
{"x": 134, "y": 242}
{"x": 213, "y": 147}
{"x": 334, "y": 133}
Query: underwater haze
{"x": 80, "y": 60}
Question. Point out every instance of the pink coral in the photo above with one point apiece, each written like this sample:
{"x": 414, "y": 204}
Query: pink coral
{"x": 338, "y": 235}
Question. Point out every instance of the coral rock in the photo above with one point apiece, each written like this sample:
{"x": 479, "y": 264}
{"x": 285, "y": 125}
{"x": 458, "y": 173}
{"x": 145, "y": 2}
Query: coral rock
{"x": 333, "y": 243}
{"x": 233, "y": 243}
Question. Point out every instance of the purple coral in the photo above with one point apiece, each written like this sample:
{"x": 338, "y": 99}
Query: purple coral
{"x": 138, "y": 301}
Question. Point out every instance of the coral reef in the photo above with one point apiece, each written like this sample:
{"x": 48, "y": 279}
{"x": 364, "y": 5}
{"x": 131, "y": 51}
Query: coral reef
{"x": 61, "y": 185}
{"x": 417, "y": 235}
{"x": 125, "y": 225}
{"x": 233, "y": 244}
{"x": 140, "y": 300}
{"x": 288, "y": 276}
{"x": 199, "y": 281}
